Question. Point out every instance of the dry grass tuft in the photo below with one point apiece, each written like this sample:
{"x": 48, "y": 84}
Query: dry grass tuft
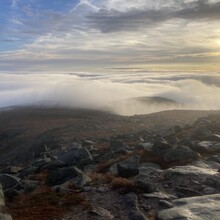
{"x": 41, "y": 177}
{"x": 45, "y": 204}
{"x": 122, "y": 183}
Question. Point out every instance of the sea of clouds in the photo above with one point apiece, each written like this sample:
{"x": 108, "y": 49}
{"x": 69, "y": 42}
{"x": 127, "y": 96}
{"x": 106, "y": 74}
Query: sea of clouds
{"x": 191, "y": 90}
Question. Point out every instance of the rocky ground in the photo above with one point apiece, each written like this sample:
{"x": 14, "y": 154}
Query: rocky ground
{"x": 67, "y": 164}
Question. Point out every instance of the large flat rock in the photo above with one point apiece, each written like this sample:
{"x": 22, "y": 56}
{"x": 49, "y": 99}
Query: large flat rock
{"x": 189, "y": 169}
{"x": 193, "y": 208}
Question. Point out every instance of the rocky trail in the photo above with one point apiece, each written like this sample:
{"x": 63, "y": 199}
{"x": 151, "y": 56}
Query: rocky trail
{"x": 69, "y": 165}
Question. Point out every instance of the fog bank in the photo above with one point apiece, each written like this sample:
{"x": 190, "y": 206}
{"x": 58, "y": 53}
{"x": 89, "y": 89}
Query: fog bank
{"x": 113, "y": 91}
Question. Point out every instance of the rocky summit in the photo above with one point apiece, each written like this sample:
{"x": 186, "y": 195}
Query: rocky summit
{"x": 65, "y": 164}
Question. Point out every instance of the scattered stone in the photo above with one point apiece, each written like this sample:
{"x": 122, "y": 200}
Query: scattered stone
{"x": 213, "y": 137}
{"x": 130, "y": 201}
{"x": 187, "y": 170}
{"x": 144, "y": 146}
{"x": 171, "y": 131}
{"x": 134, "y": 215}
{"x": 87, "y": 188}
{"x": 11, "y": 170}
{"x": 116, "y": 145}
{"x": 149, "y": 165}
{"x": 166, "y": 204}
{"x": 159, "y": 195}
{"x": 96, "y": 210}
{"x": 102, "y": 189}
{"x": 113, "y": 169}
{"x": 131, "y": 204}
{"x": 146, "y": 186}
{"x": 87, "y": 143}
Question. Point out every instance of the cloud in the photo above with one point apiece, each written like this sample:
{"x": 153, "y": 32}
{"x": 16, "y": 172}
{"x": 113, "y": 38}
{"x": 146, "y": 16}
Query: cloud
{"x": 137, "y": 18}
{"x": 101, "y": 91}
{"x": 101, "y": 35}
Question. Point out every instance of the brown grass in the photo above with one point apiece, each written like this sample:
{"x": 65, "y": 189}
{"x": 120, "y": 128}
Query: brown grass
{"x": 119, "y": 182}
{"x": 39, "y": 177}
{"x": 45, "y": 204}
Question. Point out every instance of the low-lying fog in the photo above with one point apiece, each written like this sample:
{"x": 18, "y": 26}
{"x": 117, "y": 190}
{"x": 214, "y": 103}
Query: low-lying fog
{"x": 115, "y": 91}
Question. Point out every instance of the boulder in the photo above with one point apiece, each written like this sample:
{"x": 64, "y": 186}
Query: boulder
{"x": 77, "y": 157}
{"x": 206, "y": 164}
{"x": 159, "y": 195}
{"x": 128, "y": 167}
{"x": 3, "y": 216}
{"x": 203, "y": 146}
{"x": 146, "y": 165}
{"x": 215, "y": 158}
{"x": 213, "y": 137}
{"x": 189, "y": 170}
{"x": 180, "y": 155}
{"x": 200, "y": 133}
{"x": 161, "y": 146}
{"x": 116, "y": 145}
{"x": 36, "y": 167}
{"x": 9, "y": 182}
{"x": 71, "y": 174}
{"x": 207, "y": 147}
{"x": 171, "y": 131}
{"x": 193, "y": 208}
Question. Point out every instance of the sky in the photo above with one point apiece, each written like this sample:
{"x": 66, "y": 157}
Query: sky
{"x": 89, "y": 53}
{"x": 102, "y": 35}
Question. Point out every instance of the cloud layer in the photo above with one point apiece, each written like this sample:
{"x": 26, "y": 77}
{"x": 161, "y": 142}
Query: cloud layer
{"x": 99, "y": 91}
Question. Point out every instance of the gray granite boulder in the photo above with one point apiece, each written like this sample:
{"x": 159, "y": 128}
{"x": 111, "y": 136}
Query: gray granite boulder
{"x": 71, "y": 174}
{"x": 180, "y": 155}
{"x": 193, "y": 208}
{"x": 128, "y": 167}
{"x": 3, "y": 216}
{"x": 77, "y": 157}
